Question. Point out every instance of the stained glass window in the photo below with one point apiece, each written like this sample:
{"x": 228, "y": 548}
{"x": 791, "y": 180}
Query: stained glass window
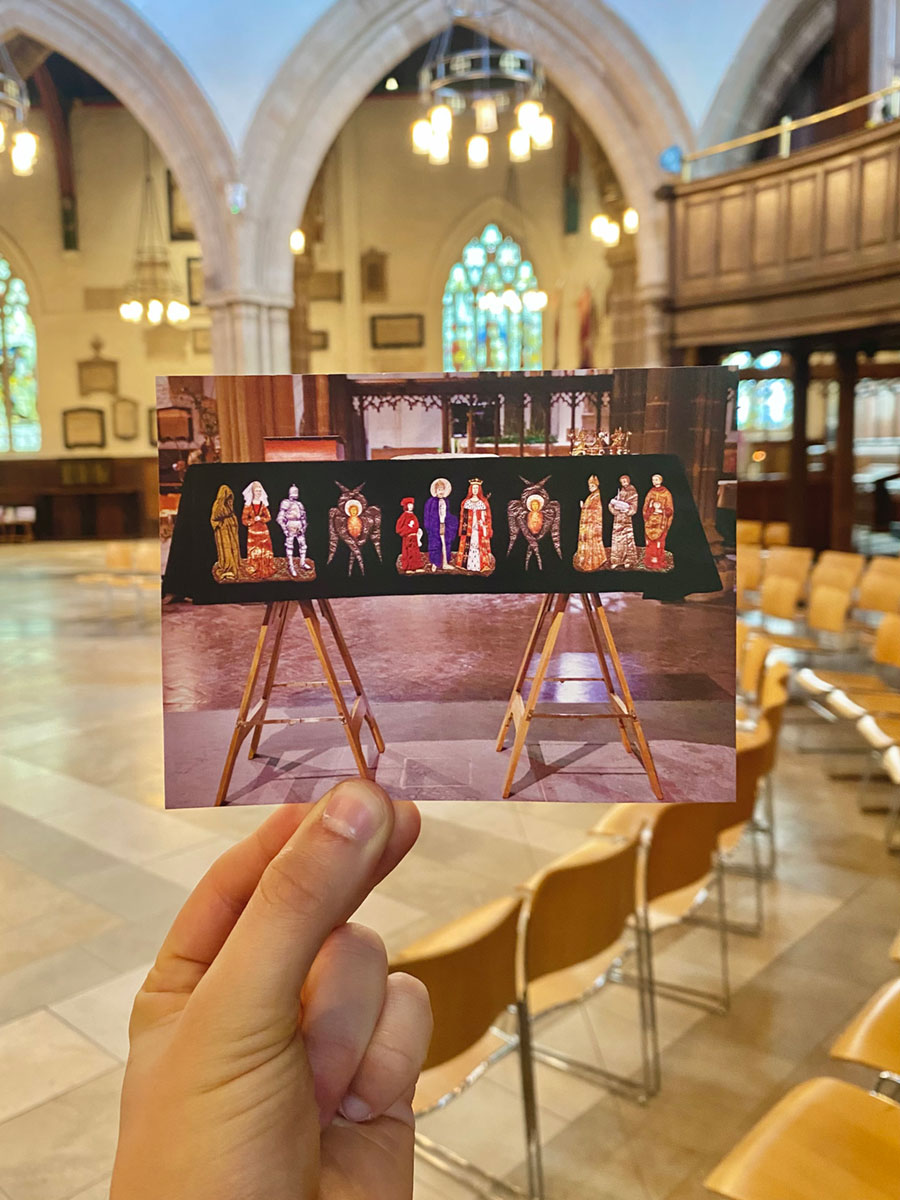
{"x": 763, "y": 405}
{"x": 493, "y": 308}
{"x": 20, "y": 425}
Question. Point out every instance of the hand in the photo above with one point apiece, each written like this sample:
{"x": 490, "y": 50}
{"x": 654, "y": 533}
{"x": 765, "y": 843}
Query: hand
{"x": 272, "y": 1057}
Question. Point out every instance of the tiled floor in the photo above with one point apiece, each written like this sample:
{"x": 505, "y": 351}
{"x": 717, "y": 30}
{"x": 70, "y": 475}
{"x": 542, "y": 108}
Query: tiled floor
{"x": 92, "y": 871}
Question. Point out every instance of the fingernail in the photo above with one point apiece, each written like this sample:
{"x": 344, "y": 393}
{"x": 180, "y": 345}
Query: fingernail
{"x": 355, "y": 811}
{"x": 355, "y": 1109}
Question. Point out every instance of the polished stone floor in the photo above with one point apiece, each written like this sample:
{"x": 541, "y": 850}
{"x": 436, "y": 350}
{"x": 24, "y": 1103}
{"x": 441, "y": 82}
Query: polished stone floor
{"x": 92, "y": 871}
{"x": 438, "y": 673}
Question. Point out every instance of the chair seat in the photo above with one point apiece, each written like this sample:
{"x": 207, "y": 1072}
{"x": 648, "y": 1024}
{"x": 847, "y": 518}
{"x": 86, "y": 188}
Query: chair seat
{"x": 871, "y": 1037}
{"x": 848, "y": 681}
{"x": 825, "y": 1140}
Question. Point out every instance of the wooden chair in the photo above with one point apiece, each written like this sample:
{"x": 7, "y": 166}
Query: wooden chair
{"x": 891, "y": 763}
{"x": 779, "y": 597}
{"x": 879, "y": 592}
{"x": 748, "y": 533}
{"x": 736, "y": 819}
{"x": 576, "y": 914}
{"x": 872, "y": 1038}
{"x": 794, "y": 562}
{"x": 748, "y": 573}
{"x": 470, "y": 970}
{"x": 826, "y": 621}
{"x": 756, "y": 651}
{"x": 885, "y": 653}
{"x": 777, "y": 533}
{"x": 679, "y": 865}
{"x": 825, "y": 1140}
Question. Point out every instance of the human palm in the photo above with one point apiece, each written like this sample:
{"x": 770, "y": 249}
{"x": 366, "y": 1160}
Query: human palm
{"x": 271, "y": 1054}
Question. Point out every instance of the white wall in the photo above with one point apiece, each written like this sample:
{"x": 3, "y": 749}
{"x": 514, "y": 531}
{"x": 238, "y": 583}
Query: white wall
{"x": 379, "y": 195}
{"x": 108, "y": 153}
{"x": 235, "y": 49}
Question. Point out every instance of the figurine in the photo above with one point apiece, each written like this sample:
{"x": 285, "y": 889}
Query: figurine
{"x": 441, "y": 525}
{"x": 591, "y": 553}
{"x": 292, "y": 519}
{"x": 225, "y": 529}
{"x": 624, "y": 554}
{"x": 409, "y": 530}
{"x": 260, "y": 561}
{"x": 658, "y": 512}
{"x": 476, "y": 530}
{"x": 534, "y": 515}
{"x": 354, "y": 522}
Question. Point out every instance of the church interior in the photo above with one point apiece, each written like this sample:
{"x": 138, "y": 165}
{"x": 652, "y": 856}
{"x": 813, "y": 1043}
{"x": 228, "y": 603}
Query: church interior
{"x": 211, "y": 219}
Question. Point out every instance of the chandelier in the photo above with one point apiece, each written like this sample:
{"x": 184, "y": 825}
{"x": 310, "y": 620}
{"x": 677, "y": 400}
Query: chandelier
{"x": 14, "y": 106}
{"x": 464, "y": 75}
{"x": 152, "y": 295}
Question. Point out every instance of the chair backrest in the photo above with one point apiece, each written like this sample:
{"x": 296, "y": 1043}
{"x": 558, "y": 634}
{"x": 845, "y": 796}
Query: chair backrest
{"x": 774, "y": 699}
{"x": 578, "y": 907}
{"x": 845, "y": 559}
{"x": 469, "y": 968}
{"x": 886, "y": 650}
{"x": 780, "y": 595}
{"x": 680, "y": 849}
{"x": 883, "y": 565}
{"x": 753, "y": 759}
{"x": 828, "y": 609}
{"x": 879, "y": 591}
{"x": 777, "y": 533}
{"x": 749, "y": 566}
{"x": 147, "y": 558}
{"x": 834, "y": 575}
{"x": 118, "y": 556}
{"x": 791, "y": 561}
{"x": 756, "y": 649}
{"x": 747, "y": 532}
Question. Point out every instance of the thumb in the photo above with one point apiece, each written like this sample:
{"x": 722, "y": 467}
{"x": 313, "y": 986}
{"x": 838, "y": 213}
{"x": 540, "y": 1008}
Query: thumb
{"x": 310, "y": 887}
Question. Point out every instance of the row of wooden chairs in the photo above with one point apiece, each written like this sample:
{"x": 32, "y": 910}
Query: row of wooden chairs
{"x": 562, "y": 936}
{"x": 762, "y": 533}
{"x": 828, "y": 1139}
{"x": 777, "y": 582}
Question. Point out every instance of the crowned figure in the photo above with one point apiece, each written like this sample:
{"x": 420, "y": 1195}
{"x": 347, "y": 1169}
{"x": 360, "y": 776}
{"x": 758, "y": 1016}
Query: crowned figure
{"x": 476, "y": 529}
{"x": 591, "y": 553}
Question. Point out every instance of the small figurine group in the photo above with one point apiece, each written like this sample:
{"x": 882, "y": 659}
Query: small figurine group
{"x": 658, "y": 512}
{"x": 441, "y": 525}
{"x": 260, "y": 562}
{"x": 586, "y": 441}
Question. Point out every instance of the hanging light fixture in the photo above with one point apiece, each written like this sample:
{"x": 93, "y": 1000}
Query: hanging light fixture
{"x": 14, "y": 107}
{"x": 297, "y": 241}
{"x": 478, "y": 150}
{"x": 630, "y": 220}
{"x": 611, "y": 234}
{"x": 598, "y": 226}
{"x": 519, "y": 146}
{"x": 439, "y": 149}
{"x": 464, "y": 70}
{"x": 152, "y": 293}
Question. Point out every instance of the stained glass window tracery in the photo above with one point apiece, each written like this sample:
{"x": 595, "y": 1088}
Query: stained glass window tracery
{"x": 20, "y": 425}
{"x": 492, "y": 308}
{"x": 763, "y": 405}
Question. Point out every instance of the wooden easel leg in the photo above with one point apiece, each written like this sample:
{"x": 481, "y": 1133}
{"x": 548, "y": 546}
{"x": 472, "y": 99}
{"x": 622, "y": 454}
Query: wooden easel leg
{"x": 283, "y": 610}
{"x": 241, "y": 727}
{"x": 589, "y": 602}
{"x": 347, "y": 660}
{"x": 524, "y": 667}
{"x": 643, "y": 748}
{"x": 523, "y": 720}
{"x": 350, "y": 726}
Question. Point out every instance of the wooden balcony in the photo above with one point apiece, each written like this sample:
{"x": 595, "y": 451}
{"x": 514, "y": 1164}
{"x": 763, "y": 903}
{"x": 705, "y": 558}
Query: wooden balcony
{"x": 789, "y": 247}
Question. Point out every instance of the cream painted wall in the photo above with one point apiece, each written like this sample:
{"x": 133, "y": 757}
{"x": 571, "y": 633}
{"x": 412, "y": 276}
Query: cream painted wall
{"x": 379, "y": 195}
{"x": 108, "y": 152}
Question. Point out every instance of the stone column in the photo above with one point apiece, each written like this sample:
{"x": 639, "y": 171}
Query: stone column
{"x": 842, "y": 494}
{"x": 798, "y": 497}
{"x": 250, "y": 336}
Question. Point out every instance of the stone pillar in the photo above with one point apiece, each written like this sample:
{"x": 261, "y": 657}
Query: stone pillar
{"x": 842, "y": 494}
{"x": 299, "y": 315}
{"x": 250, "y": 336}
{"x": 798, "y": 497}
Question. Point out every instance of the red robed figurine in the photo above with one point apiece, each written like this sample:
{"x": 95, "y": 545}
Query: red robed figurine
{"x": 408, "y": 528}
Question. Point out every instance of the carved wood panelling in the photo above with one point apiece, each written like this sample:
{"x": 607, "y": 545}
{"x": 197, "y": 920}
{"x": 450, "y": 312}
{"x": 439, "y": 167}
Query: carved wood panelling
{"x": 812, "y": 233}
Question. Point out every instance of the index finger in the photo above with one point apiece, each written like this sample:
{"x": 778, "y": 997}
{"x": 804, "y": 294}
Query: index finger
{"x": 313, "y": 884}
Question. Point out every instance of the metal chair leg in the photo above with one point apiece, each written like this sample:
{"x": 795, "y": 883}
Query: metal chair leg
{"x": 529, "y": 1102}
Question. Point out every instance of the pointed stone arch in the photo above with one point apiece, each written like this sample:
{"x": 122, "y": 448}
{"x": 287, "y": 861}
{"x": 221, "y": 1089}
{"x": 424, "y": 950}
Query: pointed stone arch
{"x": 781, "y": 43}
{"x": 114, "y": 43}
{"x": 594, "y": 58}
